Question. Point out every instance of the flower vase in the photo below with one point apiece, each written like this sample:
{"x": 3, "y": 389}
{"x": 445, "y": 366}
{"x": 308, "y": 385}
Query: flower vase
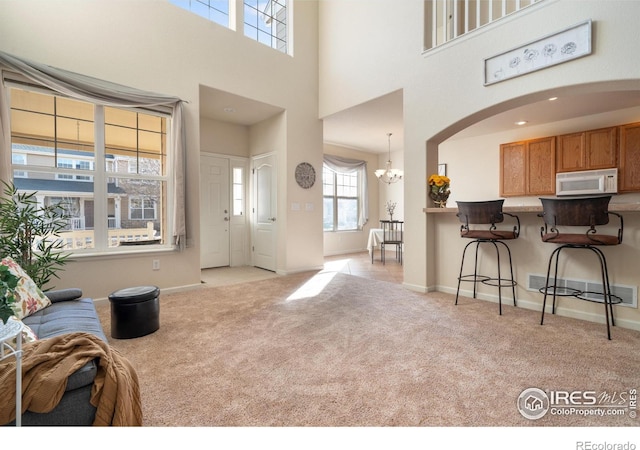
{"x": 440, "y": 198}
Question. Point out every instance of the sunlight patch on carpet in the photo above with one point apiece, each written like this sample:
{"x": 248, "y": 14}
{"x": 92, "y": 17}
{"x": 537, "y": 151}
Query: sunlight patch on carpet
{"x": 313, "y": 287}
{"x": 336, "y": 266}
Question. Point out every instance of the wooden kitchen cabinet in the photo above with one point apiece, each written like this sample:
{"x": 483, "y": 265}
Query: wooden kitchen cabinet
{"x": 601, "y": 148}
{"x": 629, "y": 168}
{"x": 512, "y": 169}
{"x": 587, "y": 150}
{"x": 528, "y": 167}
{"x": 570, "y": 154}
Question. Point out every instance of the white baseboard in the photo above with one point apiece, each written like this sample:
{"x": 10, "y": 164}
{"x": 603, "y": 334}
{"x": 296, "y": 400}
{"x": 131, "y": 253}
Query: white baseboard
{"x": 535, "y": 306}
{"x": 170, "y": 290}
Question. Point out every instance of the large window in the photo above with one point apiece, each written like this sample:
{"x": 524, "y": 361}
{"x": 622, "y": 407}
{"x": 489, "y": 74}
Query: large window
{"x": 106, "y": 165}
{"x": 340, "y": 192}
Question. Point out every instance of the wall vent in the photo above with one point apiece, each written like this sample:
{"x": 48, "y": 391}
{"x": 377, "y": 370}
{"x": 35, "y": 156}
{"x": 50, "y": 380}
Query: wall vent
{"x": 628, "y": 294}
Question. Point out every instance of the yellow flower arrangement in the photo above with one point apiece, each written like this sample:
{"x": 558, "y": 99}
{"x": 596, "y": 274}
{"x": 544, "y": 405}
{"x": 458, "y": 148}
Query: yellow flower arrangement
{"x": 439, "y": 189}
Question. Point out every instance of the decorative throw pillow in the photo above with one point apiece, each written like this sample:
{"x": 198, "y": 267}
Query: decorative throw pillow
{"x": 29, "y": 297}
{"x": 28, "y": 335}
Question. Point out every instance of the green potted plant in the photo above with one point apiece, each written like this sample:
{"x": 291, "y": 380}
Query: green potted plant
{"x": 29, "y": 233}
{"x": 8, "y": 283}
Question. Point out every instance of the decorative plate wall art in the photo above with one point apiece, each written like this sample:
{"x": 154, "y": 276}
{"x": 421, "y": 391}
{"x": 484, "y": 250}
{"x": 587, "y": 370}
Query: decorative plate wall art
{"x": 305, "y": 175}
{"x": 572, "y": 43}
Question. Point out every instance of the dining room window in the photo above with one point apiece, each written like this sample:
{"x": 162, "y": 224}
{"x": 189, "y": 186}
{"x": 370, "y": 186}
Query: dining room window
{"x": 340, "y": 206}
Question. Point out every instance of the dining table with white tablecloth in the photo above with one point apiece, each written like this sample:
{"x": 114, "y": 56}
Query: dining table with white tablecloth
{"x": 375, "y": 238}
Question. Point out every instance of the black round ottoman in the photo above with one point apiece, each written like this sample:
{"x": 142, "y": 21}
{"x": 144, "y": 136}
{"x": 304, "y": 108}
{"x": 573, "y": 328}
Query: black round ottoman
{"x": 135, "y": 311}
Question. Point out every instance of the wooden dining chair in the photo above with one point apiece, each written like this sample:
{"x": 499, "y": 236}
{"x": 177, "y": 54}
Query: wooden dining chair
{"x": 392, "y": 234}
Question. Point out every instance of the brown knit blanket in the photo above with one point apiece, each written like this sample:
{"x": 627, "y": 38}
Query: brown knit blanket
{"x": 46, "y": 365}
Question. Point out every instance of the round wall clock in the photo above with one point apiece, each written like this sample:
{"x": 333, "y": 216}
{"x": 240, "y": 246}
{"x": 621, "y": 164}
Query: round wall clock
{"x": 305, "y": 175}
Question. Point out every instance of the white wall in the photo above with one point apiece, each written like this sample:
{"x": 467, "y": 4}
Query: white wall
{"x": 159, "y": 47}
{"x": 224, "y": 138}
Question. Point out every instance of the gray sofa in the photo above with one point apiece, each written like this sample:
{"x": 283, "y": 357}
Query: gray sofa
{"x": 69, "y": 312}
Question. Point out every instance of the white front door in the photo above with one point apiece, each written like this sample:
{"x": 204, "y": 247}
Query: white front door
{"x": 214, "y": 211}
{"x": 264, "y": 212}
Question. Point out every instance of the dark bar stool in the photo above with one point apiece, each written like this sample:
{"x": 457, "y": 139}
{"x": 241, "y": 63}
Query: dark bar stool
{"x": 486, "y": 213}
{"x": 579, "y": 212}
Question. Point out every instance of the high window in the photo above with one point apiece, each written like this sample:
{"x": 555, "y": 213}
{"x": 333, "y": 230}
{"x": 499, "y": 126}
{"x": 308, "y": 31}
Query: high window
{"x": 340, "y": 207}
{"x": 214, "y": 10}
{"x": 107, "y": 166}
{"x": 266, "y": 22}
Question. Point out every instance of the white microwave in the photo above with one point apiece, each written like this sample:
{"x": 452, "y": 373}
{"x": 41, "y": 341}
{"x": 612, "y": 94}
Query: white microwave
{"x": 587, "y": 182}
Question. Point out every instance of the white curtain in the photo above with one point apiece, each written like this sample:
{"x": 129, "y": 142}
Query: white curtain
{"x": 104, "y": 93}
{"x": 353, "y": 166}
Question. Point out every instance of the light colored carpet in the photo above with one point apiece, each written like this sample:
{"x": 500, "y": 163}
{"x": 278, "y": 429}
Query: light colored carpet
{"x": 330, "y": 349}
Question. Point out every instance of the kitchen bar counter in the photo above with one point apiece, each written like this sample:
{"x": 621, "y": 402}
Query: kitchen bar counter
{"x": 443, "y": 243}
{"x": 613, "y": 207}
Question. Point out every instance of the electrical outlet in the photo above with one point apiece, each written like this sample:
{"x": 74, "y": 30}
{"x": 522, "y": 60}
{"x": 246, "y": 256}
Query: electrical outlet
{"x": 155, "y": 265}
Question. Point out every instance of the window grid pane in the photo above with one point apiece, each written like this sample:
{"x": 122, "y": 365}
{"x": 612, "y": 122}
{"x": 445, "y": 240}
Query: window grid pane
{"x": 238, "y": 191}
{"x": 56, "y": 126}
{"x": 347, "y": 185}
{"x": 347, "y": 214}
{"x": 328, "y": 181}
{"x": 327, "y": 219}
{"x": 266, "y": 22}
{"x": 216, "y": 11}
{"x": 135, "y": 141}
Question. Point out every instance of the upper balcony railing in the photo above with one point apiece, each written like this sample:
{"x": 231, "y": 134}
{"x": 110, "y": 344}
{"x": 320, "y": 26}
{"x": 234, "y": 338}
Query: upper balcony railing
{"x": 85, "y": 239}
{"x": 446, "y": 20}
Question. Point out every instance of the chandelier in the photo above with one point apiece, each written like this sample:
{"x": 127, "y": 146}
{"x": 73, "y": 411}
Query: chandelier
{"x": 389, "y": 175}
